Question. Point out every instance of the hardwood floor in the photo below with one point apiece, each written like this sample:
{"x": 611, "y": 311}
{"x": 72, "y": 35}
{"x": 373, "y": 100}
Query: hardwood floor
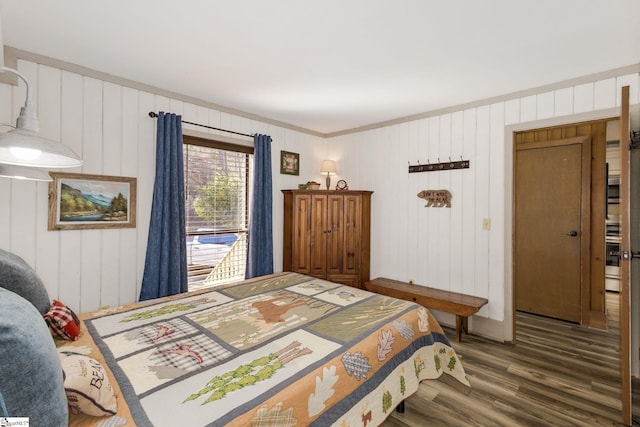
{"x": 556, "y": 374}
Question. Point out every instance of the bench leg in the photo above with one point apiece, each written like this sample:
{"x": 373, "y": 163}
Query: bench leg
{"x": 461, "y": 325}
{"x": 400, "y": 408}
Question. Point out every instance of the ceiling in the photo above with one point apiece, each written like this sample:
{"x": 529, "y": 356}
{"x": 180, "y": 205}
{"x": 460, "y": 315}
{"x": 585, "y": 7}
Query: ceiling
{"x": 333, "y": 65}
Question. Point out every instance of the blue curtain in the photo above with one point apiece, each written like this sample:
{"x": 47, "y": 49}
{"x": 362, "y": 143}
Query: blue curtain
{"x": 260, "y": 247}
{"x": 165, "y": 268}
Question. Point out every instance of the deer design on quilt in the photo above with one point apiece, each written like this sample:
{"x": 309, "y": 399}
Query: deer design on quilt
{"x": 272, "y": 312}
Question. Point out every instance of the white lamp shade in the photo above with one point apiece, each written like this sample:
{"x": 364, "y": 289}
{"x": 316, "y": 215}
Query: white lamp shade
{"x": 328, "y": 166}
{"x": 21, "y": 147}
{"x": 20, "y": 172}
{"x": 23, "y": 153}
{"x": 24, "y": 147}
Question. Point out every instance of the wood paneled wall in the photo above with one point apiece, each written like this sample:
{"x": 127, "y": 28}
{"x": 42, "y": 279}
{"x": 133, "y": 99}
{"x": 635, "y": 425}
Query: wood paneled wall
{"x": 448, "y": 248}
{"x": 108, "y": 125}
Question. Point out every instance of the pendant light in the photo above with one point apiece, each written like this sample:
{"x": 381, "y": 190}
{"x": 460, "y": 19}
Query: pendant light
{"x": 23, "y": 146}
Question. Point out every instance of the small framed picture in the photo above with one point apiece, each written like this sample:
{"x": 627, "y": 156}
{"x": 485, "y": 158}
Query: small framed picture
{"x": 81, "y": 201}
{"x": 289, "y": 163}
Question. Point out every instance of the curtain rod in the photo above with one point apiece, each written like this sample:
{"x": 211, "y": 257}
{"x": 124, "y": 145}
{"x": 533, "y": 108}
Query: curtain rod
{"x": 152, "y": 114}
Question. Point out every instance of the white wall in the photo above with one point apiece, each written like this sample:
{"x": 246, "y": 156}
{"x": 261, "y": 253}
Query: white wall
{"x": 448, "y": 248}
{"x": 108, "y": 125}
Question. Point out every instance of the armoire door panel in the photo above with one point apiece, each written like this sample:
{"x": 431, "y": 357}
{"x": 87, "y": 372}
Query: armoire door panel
{"x": 334, "y": 234}
{"x": 302, "y": 235}
{"x": 318, "y": 242}
{"x": 352, "y": 235}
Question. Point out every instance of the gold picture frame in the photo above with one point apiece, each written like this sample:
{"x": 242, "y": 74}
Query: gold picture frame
{"x": 82, "y": 201}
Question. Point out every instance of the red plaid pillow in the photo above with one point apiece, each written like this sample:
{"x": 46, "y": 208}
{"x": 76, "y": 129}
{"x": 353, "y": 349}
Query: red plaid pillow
{"x": 63, "y": 321}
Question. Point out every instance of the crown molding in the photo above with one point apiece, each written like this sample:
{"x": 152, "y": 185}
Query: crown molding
{"x": 10, "y": 61}
{"x": 11, "y": 52}
{"x": 12, "y": 55}
{"x": 616, "y": 72}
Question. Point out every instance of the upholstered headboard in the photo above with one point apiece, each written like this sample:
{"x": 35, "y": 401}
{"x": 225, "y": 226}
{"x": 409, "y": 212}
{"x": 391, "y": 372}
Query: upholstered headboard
{"x": 18, "y": 277}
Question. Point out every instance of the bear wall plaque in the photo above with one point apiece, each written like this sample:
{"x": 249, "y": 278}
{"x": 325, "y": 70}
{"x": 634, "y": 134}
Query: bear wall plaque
{"x": 436, "y": 198}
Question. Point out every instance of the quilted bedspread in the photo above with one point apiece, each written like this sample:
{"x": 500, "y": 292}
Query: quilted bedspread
{"x": 285, "y": 350}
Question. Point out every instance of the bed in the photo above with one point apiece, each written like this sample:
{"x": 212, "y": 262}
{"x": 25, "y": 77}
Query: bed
{"x": 284, "y": 349}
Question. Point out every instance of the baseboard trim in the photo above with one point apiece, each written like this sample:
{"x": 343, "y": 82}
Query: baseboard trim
{"x": 482, "y": 326}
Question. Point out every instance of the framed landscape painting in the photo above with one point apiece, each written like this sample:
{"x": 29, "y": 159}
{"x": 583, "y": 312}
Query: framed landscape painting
{"x": 81, "y": 201}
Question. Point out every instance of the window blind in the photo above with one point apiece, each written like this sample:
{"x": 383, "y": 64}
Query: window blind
{"x": 217, "y": 190}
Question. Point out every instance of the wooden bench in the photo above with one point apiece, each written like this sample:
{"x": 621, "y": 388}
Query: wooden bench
{"x": 461, "y": 305}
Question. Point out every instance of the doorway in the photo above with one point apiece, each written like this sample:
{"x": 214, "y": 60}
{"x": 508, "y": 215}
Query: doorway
{"x": 592, "y": 289}
{"x": 552, "y": 211}
{"x": 594, "y": 311}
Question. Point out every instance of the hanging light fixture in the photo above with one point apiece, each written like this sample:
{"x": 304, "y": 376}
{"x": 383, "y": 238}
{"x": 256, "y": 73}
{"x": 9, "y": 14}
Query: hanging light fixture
{"x": 22, "y": 172}
{"x": 23, "y": 146}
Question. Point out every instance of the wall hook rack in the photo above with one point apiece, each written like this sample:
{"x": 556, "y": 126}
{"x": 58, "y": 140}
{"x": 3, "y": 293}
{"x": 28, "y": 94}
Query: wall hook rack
{"x": 440, "y": 166}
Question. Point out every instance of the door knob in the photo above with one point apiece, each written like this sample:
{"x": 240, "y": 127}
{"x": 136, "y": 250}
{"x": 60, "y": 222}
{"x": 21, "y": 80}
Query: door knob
{"x": 572, "y": 233}
{"x": 627, "y": 255}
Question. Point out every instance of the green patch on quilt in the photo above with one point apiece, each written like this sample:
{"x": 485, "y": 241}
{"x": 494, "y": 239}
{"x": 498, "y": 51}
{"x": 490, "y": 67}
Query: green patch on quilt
{"x": 160, "y": 311}
{"x": 263, "y": 285}
{"x": 418, "y": 365}
{"x": 452, "y": 363}
{"x": 247, "y": 375}
{"x": 387, "y": 401}
{"x": 360, "y": 318}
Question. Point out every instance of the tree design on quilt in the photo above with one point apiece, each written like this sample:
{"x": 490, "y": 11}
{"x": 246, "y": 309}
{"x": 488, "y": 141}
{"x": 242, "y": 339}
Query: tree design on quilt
{"x": 452, "y": 363}
{"x": 436, "y": 361}
{"x": 247, "y": 375}
{"x": 387, "y": 401}
{"x": 165, "y": 309}
{"x": 442, "y": 353}
{"x": 418, "y": 365}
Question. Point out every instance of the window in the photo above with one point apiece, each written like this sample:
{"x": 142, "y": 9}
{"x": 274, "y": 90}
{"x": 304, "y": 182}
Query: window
{"x": 217, "y": 201}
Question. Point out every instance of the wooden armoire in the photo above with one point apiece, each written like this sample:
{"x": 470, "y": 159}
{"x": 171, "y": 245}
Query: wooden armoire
{"x": 327, "y": 234}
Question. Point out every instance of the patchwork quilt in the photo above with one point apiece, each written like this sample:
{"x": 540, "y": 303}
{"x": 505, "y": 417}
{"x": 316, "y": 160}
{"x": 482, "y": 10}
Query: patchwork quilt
{"x": 280, "y": 350}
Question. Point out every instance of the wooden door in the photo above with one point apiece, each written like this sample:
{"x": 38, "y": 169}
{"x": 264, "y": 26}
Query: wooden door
{"x": 318, "y": 240}
{"x": 552, "y": 227}
{"x": 301, "y": 241}
{"x": 625, "y": 260}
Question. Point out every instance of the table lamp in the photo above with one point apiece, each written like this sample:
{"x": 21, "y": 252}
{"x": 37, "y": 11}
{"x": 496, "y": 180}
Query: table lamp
{"x": 328, "y": 167}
